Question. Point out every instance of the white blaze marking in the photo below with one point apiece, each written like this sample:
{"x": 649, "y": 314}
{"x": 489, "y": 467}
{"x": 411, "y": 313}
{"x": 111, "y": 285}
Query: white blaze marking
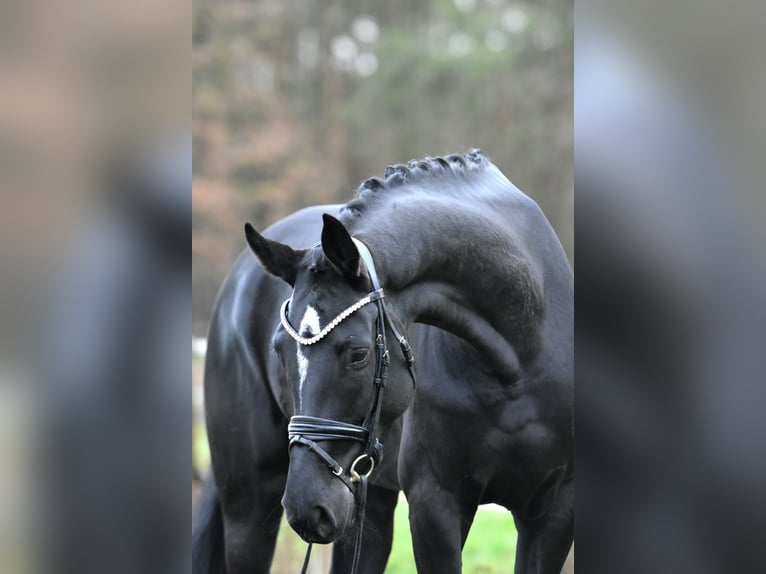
{"x": 309, "y": 327}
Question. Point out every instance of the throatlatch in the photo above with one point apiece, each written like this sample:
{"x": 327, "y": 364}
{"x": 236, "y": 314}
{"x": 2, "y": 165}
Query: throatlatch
{"x": 306, "y": 431}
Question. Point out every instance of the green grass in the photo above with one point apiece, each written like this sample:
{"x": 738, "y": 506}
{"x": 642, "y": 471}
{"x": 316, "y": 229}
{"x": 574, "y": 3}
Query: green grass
{"x": 200, "y": 450}
{"x": 490, "y": 547}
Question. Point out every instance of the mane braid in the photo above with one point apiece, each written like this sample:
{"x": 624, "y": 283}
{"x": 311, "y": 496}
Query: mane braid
{"x": 427, "y": 170}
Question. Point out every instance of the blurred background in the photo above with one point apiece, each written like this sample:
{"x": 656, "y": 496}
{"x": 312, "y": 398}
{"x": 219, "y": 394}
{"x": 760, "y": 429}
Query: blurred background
{"x": 296, "y": 102}
{"x": 671, "y": 276}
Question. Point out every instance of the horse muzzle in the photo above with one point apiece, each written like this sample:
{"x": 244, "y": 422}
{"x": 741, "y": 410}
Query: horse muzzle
{"x": 315, "y": 524}
{"x": 317, "y": 505}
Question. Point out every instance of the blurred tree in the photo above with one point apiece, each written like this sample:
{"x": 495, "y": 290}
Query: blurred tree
{"x": 296, "y": 102}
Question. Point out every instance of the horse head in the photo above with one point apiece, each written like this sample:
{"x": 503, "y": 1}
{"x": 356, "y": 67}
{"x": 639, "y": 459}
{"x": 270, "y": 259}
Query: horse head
{"x": 331, "y": 345}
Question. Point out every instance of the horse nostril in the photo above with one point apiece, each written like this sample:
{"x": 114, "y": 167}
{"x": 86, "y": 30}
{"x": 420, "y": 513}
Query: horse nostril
{"x": 312, "y": 523}
{"x": 324, "y": 521}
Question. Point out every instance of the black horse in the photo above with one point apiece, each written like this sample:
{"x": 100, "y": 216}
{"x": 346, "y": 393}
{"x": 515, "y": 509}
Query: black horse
{"x": 469, "y": 270}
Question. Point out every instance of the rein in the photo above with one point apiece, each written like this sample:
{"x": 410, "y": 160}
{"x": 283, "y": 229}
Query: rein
{"x": 306, "y": 431}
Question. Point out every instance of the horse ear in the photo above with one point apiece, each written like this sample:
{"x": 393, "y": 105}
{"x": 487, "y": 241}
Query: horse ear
{"x": 339, "y": 248}
{"x": 277, "y": 258}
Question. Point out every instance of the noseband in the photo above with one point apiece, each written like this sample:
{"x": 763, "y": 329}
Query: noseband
{"x": 306, "y": 430}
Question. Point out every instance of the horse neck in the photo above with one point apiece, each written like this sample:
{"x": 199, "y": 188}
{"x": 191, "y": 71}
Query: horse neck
{"x": 458, "y": 268}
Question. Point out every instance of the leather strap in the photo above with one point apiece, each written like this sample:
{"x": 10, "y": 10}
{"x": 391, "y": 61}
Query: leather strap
{"x": 366, "y": 256}
{"x": 317, "y": 428}
{"x": 305, "y": 568}
{"x": 361, "y": 510}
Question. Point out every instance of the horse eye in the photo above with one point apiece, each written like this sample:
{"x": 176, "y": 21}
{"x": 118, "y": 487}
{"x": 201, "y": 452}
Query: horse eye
{"x": 359, "y": 355}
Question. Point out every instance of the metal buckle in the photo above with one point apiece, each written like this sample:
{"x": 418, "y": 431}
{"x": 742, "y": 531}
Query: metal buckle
{"x": 377, "y": 294}
{"x": 355, "y": 476}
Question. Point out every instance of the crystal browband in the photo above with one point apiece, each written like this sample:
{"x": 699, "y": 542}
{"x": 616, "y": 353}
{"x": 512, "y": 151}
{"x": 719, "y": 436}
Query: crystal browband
{"x": 374, "y": 296}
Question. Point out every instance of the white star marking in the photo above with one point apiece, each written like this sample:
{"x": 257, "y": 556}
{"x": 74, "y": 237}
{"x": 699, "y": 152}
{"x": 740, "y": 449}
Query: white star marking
{"x": 309, "y": 324}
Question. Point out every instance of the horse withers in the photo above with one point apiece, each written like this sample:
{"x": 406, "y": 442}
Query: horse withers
{"x": 418, "y": 338}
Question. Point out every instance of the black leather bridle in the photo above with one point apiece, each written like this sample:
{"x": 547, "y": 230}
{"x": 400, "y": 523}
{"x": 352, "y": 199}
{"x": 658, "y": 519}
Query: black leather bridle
{"x": 307, "y": 431}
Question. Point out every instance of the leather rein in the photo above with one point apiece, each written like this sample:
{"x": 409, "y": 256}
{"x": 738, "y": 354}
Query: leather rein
{"x": 307, "y": 431}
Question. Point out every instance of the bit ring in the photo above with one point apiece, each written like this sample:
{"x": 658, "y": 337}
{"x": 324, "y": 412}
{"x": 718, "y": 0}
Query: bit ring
{"x": 355, "y": 476}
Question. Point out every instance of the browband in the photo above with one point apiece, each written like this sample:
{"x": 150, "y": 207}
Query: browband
{"x": 329, "y": 327}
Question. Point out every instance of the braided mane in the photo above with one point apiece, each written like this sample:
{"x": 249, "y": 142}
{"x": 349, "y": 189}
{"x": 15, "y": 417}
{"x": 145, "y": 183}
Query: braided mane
{"x": 427, "y": 170}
